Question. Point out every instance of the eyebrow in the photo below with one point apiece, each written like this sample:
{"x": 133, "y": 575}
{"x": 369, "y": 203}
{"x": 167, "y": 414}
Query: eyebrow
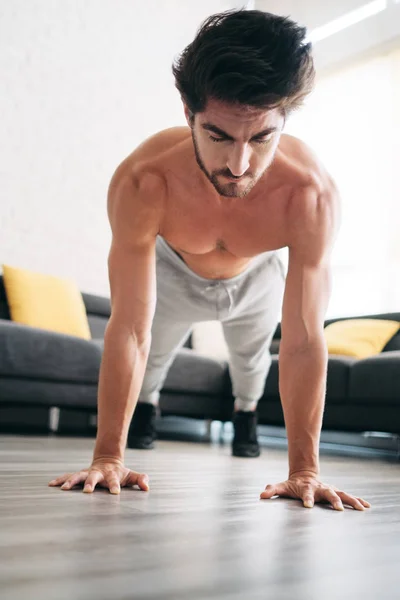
{"x": 222, "y": 133}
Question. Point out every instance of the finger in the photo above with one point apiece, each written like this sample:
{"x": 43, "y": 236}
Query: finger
{"x": 92, "y": 480}
{"x": 74, "y": 480}
{"x": 364, "y": 503}
{"x": 278, "y": 489}
{"x": 308, "y": 500}
{"x": 333, "y": 498}
{"x": 268, "y": 492}
{"x": 60, "y": 480}
{"x": 140, "y": 479}
{"x": 113, "y": 484}
{"x": 352, "y": 501}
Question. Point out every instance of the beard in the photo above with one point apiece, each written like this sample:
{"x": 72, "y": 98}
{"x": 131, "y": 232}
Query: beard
{"x": 230, "y": 190}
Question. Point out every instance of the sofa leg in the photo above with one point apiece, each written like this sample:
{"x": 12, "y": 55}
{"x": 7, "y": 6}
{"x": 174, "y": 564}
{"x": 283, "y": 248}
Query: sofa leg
{"x": 222, "y": 431}
{"x": 54, "y": 418}
{"x": 215, "y": 430}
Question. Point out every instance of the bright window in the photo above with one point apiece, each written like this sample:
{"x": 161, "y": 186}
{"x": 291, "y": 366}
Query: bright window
{"x": 352, "y": 121}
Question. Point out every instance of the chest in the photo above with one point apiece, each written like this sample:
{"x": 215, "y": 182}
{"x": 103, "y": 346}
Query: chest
{"x": 193, "y": 226}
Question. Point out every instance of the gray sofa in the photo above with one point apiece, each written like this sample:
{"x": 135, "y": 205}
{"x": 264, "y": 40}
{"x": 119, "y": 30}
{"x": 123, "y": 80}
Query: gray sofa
{"x": 40, "y": 370}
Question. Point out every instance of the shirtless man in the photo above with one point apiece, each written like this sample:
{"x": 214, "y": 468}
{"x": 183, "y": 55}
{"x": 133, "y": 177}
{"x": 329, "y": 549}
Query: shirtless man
{"x": 208, "y": 204}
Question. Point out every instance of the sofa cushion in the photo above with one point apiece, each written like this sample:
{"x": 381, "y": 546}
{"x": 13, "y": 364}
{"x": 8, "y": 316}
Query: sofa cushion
{"x": 376, "y": 379}
{"x": 271, "y": 389}
{"x": 274, "y": 347}
{"x": 191, "y": 372}
{"x": 360, "y": 337}
{"x": 337, "y": 378}
{"x": 4, "y": 308}
{"x": 393, "y": 344}
{"x": 49, "y": 393}
{"x": 45, "y": 301}
{"x": 97, "y": 305}
{"x": 97, "y": 326}
{"x": 40, "y": 354}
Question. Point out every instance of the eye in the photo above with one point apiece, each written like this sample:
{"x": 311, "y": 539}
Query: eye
{"x": 217, "y": 140}
{"x": 214, "y": 139}
{"x": 263, "y": 141}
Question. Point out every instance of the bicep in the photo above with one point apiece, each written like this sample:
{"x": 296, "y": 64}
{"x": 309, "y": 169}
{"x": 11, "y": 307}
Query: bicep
{"x": 132, "y": 275}
{"x": 309, "y": 279}
{"x": 305, "y": 302}
{"x": 134, "y": 212}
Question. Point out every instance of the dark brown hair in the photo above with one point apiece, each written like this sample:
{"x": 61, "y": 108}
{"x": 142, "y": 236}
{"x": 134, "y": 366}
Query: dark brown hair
{"x": 246, "y": 57}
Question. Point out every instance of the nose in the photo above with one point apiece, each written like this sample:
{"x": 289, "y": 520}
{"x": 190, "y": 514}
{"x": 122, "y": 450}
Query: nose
{"x": 238, "y": 162}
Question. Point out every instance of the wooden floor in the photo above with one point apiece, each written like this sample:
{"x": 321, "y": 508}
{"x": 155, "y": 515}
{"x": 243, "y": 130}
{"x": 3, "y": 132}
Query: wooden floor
{"x": 200, "y": 532}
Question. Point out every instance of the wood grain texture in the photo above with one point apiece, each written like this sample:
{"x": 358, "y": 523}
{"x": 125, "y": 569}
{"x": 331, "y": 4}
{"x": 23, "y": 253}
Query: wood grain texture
{"x": 200, "y": 532}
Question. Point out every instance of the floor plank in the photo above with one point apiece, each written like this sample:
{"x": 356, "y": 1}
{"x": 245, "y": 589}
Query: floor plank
{"x": 200, "y": 532}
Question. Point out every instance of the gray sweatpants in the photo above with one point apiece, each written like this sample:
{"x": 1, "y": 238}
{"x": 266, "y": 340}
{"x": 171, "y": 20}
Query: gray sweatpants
{"x": 247, "y": 305}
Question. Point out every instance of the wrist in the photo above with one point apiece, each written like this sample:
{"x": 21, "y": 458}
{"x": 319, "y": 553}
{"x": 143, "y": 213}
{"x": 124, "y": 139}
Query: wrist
{"x": 101, "y": 452}
{"x": 109, "y": 458}
{"x": 108, "y": 447}
{"x": 303, "y": 472}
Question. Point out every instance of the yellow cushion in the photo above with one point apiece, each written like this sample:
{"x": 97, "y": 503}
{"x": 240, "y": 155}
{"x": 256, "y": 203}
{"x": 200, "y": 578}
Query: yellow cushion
{"x": 359, "y": 337}
{"x": 46, "y": 302}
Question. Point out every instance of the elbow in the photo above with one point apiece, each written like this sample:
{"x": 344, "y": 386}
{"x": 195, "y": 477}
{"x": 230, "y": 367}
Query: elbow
{"x": 312, "y": 343}
{"x": 141, "y": 337}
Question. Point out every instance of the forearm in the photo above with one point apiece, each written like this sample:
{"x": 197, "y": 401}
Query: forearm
{"x": 121, "y": 376}
{"x": 302, "y": 388}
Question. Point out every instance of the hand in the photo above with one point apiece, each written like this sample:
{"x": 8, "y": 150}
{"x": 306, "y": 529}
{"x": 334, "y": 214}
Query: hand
{"x": 309, "y": 488}
{"x": 105, "y": 472}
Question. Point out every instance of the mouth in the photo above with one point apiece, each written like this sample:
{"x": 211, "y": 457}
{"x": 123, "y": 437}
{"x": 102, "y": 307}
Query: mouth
{"x": 235, "y": 179}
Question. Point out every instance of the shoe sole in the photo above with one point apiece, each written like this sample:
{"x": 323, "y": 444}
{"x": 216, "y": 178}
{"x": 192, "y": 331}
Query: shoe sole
{"x": 140, "y": 445}
{"x": 246, "y": 453}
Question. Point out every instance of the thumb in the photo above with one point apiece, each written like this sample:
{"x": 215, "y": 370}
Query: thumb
{"x": 143, "y": 482}
{"x": 140, "y": 479}
{"x": 268, "y": 492}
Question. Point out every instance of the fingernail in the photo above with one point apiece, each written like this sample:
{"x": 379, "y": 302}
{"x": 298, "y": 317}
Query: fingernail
{"x": 52, "y": 482}
{"x": 339, "y": 507}
{"x": 308, "y": 504}
{"x": 87, "y": 488}
{"x": 115, "y": 490}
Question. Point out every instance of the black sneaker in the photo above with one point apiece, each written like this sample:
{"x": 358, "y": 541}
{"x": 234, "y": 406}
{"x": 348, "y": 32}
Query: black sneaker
{"x": 142, "y": 431}
{"x": 245, "y": 434}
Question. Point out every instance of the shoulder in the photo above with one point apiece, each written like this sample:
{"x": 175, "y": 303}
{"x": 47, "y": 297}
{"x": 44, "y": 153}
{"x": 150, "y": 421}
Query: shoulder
{"x": 302, "y": 162}
{"x": 151, "y": 151}
{"x": 144, "y": 166}
{"x": 314, "y": 208}
{"x": 136, "y": 197}
{"x": 137, "y": 178}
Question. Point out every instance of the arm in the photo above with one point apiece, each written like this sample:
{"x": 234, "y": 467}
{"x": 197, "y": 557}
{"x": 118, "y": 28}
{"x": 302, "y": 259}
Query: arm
{"x": 134, "y": 209}
{"x": 315, "y": 218}
{"x": 303, "y": 354}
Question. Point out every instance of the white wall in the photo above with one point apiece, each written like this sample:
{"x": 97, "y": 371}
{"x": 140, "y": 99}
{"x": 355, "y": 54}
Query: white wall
{"x": 82, "y": 83}
{"x": 85, "y": 81}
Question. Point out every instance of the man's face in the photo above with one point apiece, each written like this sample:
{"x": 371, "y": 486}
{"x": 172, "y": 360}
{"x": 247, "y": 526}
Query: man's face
{"x": 235, "y": 142}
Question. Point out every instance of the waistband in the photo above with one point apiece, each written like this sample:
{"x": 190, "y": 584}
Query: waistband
{"x": 165, "y": 249}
